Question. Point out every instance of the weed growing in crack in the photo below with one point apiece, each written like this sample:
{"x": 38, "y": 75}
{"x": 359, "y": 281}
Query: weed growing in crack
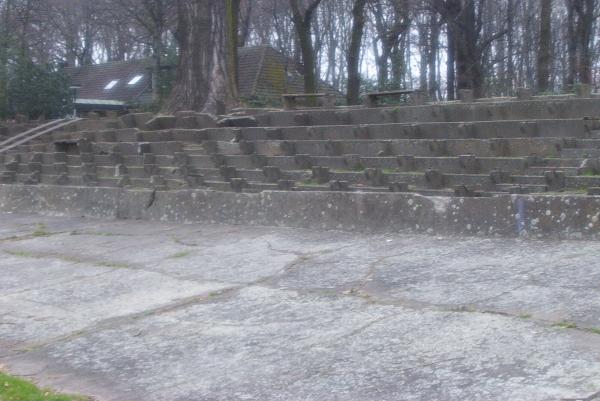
{"x": 565, "y": 325}
{"x": 41, "y": 231}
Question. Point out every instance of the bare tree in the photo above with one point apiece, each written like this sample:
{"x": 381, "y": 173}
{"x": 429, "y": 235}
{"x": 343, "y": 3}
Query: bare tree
{"x": 358, "y": 17}
{"x": 302, "y": 22}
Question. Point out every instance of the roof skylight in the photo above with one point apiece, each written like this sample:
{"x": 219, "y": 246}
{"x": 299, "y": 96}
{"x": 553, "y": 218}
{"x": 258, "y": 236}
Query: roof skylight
{"x": 135, "y": 80}
{"x": 111, "y": 84}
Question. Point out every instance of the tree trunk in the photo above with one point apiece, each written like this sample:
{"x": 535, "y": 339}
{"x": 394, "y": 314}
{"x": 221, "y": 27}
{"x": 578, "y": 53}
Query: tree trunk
{"x": 358, "y": 14}
{"x": 302, "y": 23}
{"x": 571, "y": 45}
{"x": 434, "y": 38}
{"x": 585, "y": 12}
{"x": 545, "y": 51}
{"x": 204, "y": 79}
{"x": 452, "y": 11}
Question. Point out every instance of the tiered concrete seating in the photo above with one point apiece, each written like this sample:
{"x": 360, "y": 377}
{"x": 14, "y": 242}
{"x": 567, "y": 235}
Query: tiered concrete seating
{"x": 453, "y": 149}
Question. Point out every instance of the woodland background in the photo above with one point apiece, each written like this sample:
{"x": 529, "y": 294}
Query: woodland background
{"x": 439, "y": 46}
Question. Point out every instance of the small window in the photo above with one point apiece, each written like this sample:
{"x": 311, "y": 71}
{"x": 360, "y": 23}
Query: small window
{"x": 135, "y": 80}
{"x": 111, "y": 84}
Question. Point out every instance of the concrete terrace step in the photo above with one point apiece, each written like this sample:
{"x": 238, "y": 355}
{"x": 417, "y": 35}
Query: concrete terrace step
{"x": 581, "y": 153}
{"x": 572, "y": 128}
{"x": 515, "y": 147}
{"x": 456, "y": 112}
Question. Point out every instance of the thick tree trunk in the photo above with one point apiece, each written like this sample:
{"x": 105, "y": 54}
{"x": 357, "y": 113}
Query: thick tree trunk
{"x": 545, "y": 48}
{"x": 358, "y": 14}
{"x": 571, "y": 45}
{"x": 450, "y": 62}
{"x": 423, "y": 52}
{"x": 452, "y": 11}
{"x": 302, "y": 23}
{"x": 586, "y": 9}
{"x": 204, "y": 75}
{"x": 434, "y": 38}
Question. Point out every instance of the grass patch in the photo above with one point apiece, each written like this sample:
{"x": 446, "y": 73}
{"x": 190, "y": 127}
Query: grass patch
{"x": 69, "y": 259}
{"x": 565, "y": 325}
{"x": 99, "y": 234}
{"x": 41, "y": 231}
{"x": 13, "y": 389}
{"x": 525, "y": 316}
{"x": 358, "y": 167}
{"x": 594, "y": 330}
{"x": 180, "y": 255}
{"x": 22, "y": 254}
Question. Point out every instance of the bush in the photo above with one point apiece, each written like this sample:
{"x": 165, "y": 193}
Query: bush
{"x": 38, "y": 90}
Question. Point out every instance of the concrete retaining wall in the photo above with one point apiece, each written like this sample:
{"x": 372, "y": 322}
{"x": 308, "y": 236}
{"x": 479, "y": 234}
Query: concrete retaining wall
{"x": 544, "y": 216}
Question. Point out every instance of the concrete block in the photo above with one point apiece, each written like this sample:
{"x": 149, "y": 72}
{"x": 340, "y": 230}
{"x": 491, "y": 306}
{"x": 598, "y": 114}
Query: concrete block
{"x": 120, "y": 170}
{"x": 228, "y": 172}
{"x": 500, "y": 177}
{"x": 434, "y": 179}
{"x": 274, "y": 134}
{"x": 272, "y": 173}
{"x": 85, "y": 146}
{"x": 337, "y": 185}
{"x": 238, "y": 184}
{"x": 343, "y": 117}
{"x": 287, "y": 148}
{"x": 148, "y": 159}
{"x": 361, "y": 132}
{"x": 180, "y": 159}
{"x": 161, "y": 122}
{"x": 590, "y": 166}
{"x": 353, "y": 162}
{"x": 375, "y": 177}
{"x": 218, "y": 159}
{"x": 500, "y": 147}
{"x": 62, "y": 179}
{"x": 321, "y": 174}
{"x": 143, "y": 148}
{"x": 242, "y": 121}
{"x": 135, "y": 120}
{"x": 258, "y": 161}
{"x": 594, "y": 191}
{"x": 555, "y": 180}
{"x": 406, "y": 162}
{"x": 464, "y": 192}
{"x": 60, "y": 168}
{"x": 398, "y": 187}
{"x": 334, "y": 148}
{"x": 583, "y": 91}
{"x": 124, "y": 182}
{"x": 418, "y": 98}
{"x": 524, "y": 94}
{"x": 286, "y": 185}
{"x": 210, "y": 147}
{"x": 469, "y": 164}
{"x": 301, "y": 119}
{"x": 246, "y": 147}
{"x": 303, "y": 161}
{"x": 158, "y": 182}
{"x": 86, "y": 157}
{"x": 466, "y": 95}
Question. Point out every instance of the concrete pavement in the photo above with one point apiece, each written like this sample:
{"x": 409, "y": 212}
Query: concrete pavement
{"x": 137, "y": 310}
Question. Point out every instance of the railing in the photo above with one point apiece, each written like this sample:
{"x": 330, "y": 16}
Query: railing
{"x": 36, "y": 132}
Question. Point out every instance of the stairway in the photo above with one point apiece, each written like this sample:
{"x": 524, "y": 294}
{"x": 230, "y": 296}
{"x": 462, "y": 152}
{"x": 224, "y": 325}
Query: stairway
{"x": 29, "y": 135}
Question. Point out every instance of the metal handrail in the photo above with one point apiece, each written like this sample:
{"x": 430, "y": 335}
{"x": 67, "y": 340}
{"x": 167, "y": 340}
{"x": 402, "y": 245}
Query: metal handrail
{"x": 33, "y": 134}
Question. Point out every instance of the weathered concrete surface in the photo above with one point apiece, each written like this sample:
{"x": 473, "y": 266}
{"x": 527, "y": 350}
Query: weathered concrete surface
{"x": 569, "y": 216}
{"x": 136, "y": 310}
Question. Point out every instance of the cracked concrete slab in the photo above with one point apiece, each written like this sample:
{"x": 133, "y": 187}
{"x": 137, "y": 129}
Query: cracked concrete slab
{"x": 133, "y": 310}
